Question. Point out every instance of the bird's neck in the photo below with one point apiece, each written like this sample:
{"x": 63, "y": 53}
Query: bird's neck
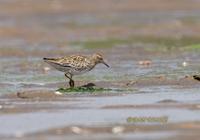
{"x": 92, "y": 60}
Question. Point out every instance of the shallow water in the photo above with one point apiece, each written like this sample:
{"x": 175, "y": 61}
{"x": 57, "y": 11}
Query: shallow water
{"x": 121, "y": 108}
{"x": 44, "y": 120}
{"x": 163, "y": 88}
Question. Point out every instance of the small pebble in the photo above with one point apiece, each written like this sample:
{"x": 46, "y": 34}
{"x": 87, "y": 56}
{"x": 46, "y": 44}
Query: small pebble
{"x": 145, "y": 62}
{"x": 76, "y": 130}
{"x": 58, "y": 93}
{"x": 184, "y": 64}
{"x": 196, "y": 77}
{"x": 46, "y": 69}
{"x": 131, "y": 83}
{"x": 117, "y": 130}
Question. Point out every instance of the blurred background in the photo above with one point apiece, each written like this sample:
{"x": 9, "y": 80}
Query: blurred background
{"x": 152, "y": 46}
{"x": 125, "y": 31}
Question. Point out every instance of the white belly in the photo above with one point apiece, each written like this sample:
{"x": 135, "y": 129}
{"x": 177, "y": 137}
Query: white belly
{"x": 60, "y": 68}
{"x": 75, "y": 72}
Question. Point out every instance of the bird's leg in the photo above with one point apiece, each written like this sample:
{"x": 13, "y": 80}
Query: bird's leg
{"x": 71, "y": 82}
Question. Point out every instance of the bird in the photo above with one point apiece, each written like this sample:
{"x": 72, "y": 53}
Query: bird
{"x": 75, "y": 64}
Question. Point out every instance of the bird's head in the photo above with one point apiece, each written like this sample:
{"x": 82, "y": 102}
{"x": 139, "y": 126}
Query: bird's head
{"x": 98, "y": 58}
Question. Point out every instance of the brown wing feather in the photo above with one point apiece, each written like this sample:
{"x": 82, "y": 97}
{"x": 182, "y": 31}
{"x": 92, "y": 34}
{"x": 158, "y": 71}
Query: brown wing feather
{"x": 75, "y": 61}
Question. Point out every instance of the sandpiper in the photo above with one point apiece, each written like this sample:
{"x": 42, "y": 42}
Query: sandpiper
{"x": 75, "y": 64}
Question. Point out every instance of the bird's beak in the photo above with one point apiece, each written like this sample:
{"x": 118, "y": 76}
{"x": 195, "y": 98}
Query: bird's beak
{"x": 105, "y": 64}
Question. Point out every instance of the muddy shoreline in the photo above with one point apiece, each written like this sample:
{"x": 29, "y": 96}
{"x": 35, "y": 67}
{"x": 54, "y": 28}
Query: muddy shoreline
{"x": 153, "y": 50}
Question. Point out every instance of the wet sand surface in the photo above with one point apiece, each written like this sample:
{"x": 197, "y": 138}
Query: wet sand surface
{"x": 153, "y": 51}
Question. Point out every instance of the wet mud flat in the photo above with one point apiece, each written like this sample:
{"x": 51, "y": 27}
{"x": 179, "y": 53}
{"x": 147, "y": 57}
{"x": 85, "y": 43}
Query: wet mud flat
{"x": 133, "y": 108}
{"x": 154, "y": 108}
{"x": 149, "y": 91}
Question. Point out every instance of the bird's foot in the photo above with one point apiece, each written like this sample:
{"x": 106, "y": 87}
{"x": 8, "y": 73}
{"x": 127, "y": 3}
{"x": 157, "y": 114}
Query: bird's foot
{"x": 89, "y": 85}
{"x": 71, "y": 83}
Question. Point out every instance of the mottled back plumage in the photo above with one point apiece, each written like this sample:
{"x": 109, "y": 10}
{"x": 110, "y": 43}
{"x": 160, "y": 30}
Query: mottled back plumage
{"x": 74, "y": 65}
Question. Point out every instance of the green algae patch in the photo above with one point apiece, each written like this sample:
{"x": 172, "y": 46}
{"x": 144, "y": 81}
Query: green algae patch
{"x": 83, "y": 90}
{"x": 162, "y": 44}
{"x": 107, "y": 43}
{"x": 195, "y": 47}
{"x": 166, "y": 44}
{"x": 95, "y": 90}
